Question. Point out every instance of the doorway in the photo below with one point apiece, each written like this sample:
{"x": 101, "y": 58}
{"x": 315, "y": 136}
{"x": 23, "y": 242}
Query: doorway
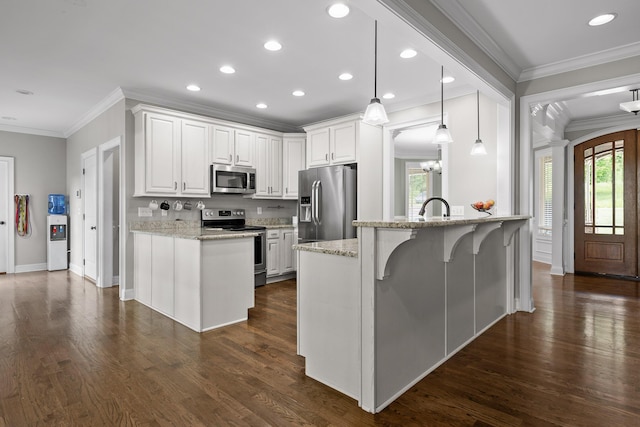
{"x": 6, "y": 222}
{"x": 90, "y": 218}
{"x": 606, "y": 209}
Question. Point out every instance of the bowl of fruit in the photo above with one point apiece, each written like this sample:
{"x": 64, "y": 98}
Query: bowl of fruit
{"x": 483, "y": 206}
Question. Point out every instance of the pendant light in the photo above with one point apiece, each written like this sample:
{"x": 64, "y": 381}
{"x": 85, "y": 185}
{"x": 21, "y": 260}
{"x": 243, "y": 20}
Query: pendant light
{"x": 443, "y": 136}
{"x": 478, "y": 148}
{"x": 632, "y": 106}
{"x": 375, "y": 114}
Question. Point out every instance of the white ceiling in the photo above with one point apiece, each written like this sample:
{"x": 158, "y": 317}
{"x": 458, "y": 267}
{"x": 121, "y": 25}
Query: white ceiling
{"x": 73, "y": 53}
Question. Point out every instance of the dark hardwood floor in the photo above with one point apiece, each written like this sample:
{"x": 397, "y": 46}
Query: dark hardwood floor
{"x": 72, "y": 354}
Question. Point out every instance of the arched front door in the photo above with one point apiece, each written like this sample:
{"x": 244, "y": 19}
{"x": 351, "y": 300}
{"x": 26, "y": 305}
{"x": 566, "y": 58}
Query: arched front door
{"x": 606, "y": 207}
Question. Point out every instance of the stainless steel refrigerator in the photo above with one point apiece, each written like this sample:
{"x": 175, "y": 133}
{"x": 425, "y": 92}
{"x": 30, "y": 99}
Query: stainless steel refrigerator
{"x": 326, "y": 203}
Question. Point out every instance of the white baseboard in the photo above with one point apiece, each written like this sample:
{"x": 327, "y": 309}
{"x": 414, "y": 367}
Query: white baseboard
{"x": 26, "y": 268}
{"x": 76, "y": 269}
{"x": 127, "y": 295}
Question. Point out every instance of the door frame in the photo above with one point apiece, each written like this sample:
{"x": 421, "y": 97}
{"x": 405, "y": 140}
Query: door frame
{"x": 105, "y": 214}
{"x": 83, "y": 157}
{"x": 10, "y": 250}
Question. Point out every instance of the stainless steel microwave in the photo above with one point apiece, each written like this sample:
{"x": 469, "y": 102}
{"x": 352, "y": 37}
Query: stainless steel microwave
{"x": 232, "y": 180}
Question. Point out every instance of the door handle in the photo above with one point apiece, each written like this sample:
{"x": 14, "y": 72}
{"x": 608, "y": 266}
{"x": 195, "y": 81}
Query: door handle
{"x": 230, "y": 158}
{"x": 237, "y": 158}
{"x": 326, "y": 156}
{"x": 333, "y": 156}
{"x": 93, "y": 227}
{"x": 184, "y": 186}
{"x": 175, "y": 185}
{"x": 318, "y": 201}
{"x": 2, "y": 222}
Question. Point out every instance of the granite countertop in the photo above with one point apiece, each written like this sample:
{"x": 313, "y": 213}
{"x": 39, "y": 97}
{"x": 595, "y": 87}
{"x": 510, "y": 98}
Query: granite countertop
{"x": 437, "y": 221}
{"x": 346, "y": 247}
{"x": 196, "y": 233}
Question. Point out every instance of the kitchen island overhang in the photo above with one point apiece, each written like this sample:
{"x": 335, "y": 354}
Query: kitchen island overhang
{"x": 424, "y": 290}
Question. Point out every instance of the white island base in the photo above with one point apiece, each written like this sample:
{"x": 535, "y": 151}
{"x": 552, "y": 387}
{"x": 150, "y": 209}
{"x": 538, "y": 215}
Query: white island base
{"x": 417, "y": 293}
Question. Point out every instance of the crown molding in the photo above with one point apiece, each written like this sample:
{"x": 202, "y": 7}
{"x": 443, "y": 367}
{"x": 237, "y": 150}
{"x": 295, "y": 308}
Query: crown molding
{"x": 95, "y": 111}
{"x": 619, "y": 120}
{"x": 213, "y": 112}
{"x": 465, "y": 23}
{"x": 579, "y": 62}
{"x": 31, "y": 131}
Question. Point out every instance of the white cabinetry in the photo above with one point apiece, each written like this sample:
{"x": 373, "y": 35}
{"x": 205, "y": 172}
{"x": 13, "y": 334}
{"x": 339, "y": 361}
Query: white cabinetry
{"x": 268, "y": 166}
{"x": 280, "y": 255}
{"x": 293, "y": 161}
{"x": 334, "y": 144}
{"x": 287, "y": 256}
{"x": 203, "y": 284}
{"x": 273, "y": 253}
{"x": 231, "y": 146}
{"x": 170, "y": 155}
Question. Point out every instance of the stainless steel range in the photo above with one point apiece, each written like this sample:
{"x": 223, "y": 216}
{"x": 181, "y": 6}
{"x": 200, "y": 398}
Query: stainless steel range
{"x": 234, "y": 220}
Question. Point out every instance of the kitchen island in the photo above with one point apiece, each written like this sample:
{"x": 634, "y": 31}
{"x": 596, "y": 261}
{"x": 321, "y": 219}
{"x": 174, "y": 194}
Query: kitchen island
{"x": 203, "y": 279}
{"x": 373, "y": 323}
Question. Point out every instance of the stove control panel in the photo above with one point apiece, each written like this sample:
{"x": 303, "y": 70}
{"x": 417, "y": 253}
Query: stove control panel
{"x": 209, "y": 214}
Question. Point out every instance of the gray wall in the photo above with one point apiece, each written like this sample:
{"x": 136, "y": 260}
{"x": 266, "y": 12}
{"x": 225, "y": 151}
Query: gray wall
{"x": 40, "y": 170}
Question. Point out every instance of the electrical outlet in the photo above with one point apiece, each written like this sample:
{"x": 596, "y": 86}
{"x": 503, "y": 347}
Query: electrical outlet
{"x": 457, "y": 210}
{"x": 259, "y": 210}
{"x": 142, "y": 211}
{"x": 164, "y": 212}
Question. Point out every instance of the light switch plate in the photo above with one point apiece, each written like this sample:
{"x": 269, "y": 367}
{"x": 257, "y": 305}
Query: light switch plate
{"x": 457, "y": 210}
{"x": 144, "y": 211}
{"x": 259, "y": 210}
{"x": 164, "y": 213}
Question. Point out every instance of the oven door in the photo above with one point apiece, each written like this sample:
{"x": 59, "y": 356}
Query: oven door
{"x": 260, "y": 252}
{"x": 232, "y": 180}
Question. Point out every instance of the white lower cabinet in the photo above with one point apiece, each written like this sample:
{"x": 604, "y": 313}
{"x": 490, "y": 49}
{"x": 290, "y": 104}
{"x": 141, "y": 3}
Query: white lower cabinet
{"x": 273, "y": 253}
{"x": 281, "y": 258}
{"x": 203, "y": 284}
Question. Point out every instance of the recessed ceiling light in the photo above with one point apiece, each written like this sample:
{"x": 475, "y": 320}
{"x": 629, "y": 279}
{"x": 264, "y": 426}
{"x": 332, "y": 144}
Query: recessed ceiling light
{"x": 345, "y": 76}
{"x": 261, "y": 105}
{"x": 338, "y": 10}
{"x": 408, "y": 53}
{"x": 193, "y": 88}
{"x": 8, "y": 118}
{"x": 298, "y": 93}
{"x": 227, "y": 69}
{"x": 388, "y": 95}
{"x": 448, "y": 79}
{"x": 24, "y": 92}
{"x": 272, "y": 45}
{"x": 602, "y": 19}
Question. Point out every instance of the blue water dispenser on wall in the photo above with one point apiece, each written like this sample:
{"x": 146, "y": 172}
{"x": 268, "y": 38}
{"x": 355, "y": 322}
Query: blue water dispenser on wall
{"x": 57, "y": 247}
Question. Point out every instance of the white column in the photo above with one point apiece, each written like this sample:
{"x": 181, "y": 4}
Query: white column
{"x": 559, "y": 160}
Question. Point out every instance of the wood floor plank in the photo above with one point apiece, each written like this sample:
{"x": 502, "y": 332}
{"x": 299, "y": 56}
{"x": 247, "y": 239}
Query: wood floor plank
{"x": 73, "y": 354}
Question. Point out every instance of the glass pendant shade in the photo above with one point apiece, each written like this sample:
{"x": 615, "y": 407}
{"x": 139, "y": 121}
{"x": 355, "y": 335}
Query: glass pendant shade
{"x": 375, "y": 113}
{"x": 478, "y": 148}
{"x": 632, "y": 106}
{"x": 443, "y": 136}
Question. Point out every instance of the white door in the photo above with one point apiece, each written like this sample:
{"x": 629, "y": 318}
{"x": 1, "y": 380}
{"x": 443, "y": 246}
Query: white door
{"x": 90, "y": 207}
{"x": 4, "y": 216}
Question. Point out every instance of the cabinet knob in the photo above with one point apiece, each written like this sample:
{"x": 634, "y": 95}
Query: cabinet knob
{"x": 326, "y": 157}
{"x": 237, "y": 158}
{"x": 333, "y": 156}
{"x": 175, "y": 185}
{"x": 184, "y": 186}
{"x": 230, "y": 158}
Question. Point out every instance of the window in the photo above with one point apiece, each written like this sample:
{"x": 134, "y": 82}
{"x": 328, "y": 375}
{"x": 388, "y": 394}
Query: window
{"x": 545, "y": 201}
{"x": 417, "y": 190}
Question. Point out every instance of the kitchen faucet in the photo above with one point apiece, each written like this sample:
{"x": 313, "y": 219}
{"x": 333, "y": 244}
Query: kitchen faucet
{"x": 424, "y": 206}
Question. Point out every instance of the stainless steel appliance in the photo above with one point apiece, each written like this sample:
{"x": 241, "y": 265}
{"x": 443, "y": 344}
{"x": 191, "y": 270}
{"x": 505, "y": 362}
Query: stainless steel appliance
{"x": 234, "y": 220}
{"x": 326, "y": 203}
{"x": 232, "y": 180}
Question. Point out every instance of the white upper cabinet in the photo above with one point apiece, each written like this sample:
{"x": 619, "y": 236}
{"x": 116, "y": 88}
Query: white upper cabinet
{"x": 268, "y": 166}
{"x": 293, "y": 161}
{"x": 194, "y": 154}
{"x": 222, "y": 145}
{"x": 161, "y": 149}
{"x": 244, "y": 149}
{"x": 332, "y": 144}
{"x": 171, "y": 155}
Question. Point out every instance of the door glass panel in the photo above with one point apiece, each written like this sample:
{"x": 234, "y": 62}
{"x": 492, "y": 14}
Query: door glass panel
{"x": 604, "y": 188}
{"x": 417, "y": 191}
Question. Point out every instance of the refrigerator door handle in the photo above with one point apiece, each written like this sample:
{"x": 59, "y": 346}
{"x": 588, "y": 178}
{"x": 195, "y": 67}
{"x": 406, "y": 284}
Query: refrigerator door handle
{"x": 314, "y": 203}
{"x": 319, "y": 202}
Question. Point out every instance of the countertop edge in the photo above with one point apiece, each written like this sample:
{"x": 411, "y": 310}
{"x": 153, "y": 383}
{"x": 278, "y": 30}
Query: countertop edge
{"x": 436, "y": 222}
{"x": 197, "y": 234}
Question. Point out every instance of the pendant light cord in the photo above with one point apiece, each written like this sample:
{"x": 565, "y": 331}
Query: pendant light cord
{"x": 478, "y": 98}
{"x": 375, "y": 60}
{"x": 442, "y": 96}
